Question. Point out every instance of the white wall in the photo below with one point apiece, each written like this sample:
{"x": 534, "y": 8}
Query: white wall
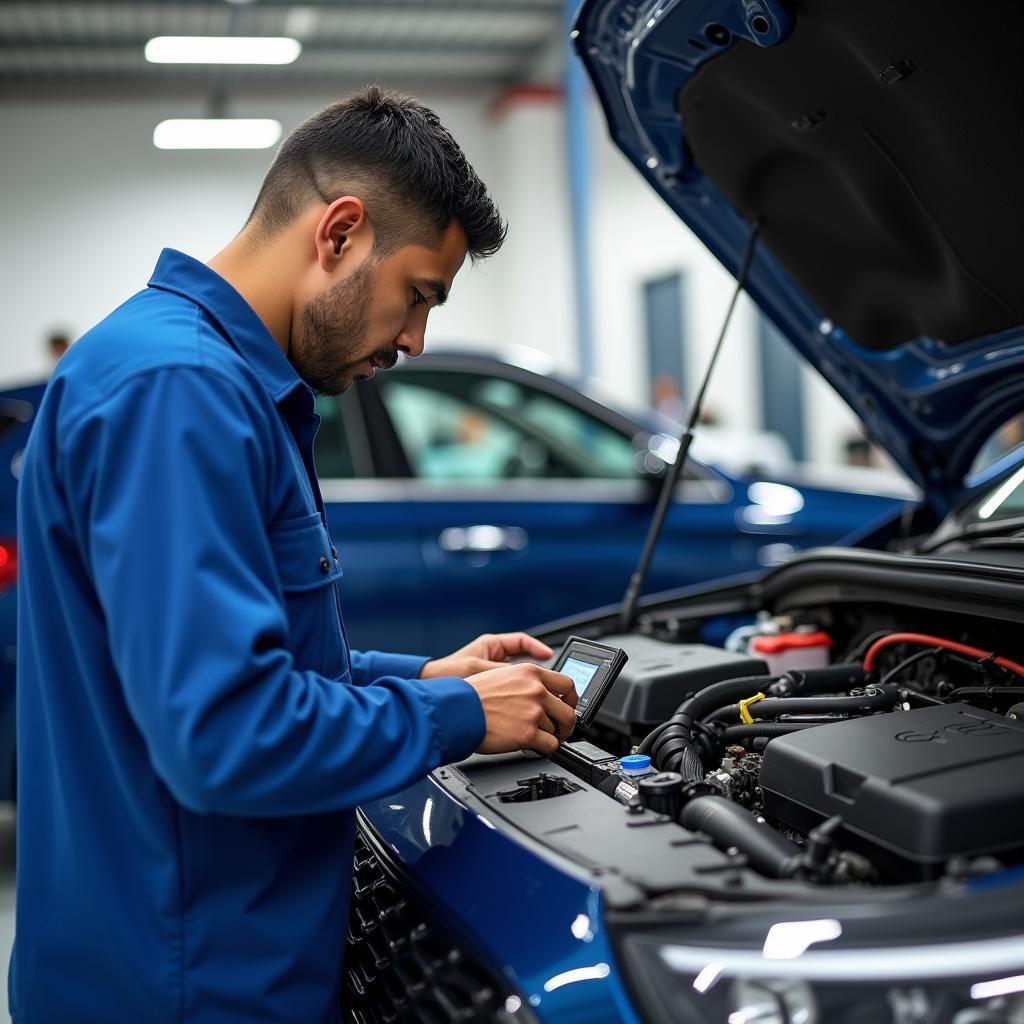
{"x": 637, "y": 238}
{"x": 87, "y": 203}
{"x": 536, "y": 306}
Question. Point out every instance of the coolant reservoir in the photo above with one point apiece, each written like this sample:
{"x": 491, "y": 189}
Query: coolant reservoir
{"x": 795, "y": 650}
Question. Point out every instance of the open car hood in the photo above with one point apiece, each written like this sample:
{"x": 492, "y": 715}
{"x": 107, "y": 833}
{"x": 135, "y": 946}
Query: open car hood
{"x": 879, "y": 145}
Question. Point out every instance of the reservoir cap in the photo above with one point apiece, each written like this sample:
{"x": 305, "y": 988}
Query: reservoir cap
{"x": 635, "y": 764}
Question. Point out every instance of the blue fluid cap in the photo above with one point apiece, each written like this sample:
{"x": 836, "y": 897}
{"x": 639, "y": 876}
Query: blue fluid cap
{"x": 635, "y": 764}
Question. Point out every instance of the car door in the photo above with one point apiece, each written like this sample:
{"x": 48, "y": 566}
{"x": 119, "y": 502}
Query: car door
{"x": 529, "y": 502}
{"x": 372, "y": 524}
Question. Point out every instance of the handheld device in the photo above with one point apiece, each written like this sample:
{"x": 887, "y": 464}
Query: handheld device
{"x": 593, "y": 667}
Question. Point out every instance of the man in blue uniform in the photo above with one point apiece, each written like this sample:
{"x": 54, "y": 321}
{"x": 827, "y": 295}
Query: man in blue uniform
{"x": 194, "y": 731}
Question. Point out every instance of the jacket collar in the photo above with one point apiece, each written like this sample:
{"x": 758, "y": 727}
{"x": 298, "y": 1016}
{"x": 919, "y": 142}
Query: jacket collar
{"x": 247, "y": 334}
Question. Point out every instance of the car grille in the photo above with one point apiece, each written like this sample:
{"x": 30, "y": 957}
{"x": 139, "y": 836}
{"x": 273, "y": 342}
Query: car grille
{"x": 402, "y": 967}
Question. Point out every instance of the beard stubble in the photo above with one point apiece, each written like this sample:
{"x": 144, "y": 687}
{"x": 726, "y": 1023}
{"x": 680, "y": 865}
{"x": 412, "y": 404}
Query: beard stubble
{"x": 335, "y": 327}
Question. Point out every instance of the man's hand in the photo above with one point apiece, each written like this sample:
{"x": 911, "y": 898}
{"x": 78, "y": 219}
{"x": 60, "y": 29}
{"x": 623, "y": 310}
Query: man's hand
{"x": 485, "y": 652}
{"x": 526, "y": 707}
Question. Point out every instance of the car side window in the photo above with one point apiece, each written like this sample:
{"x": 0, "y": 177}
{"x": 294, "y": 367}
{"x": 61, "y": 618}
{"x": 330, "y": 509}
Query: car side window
{"x": 458, "y": 426}
{"x": 608, "y": 454}
{"x": 331, "y": 451}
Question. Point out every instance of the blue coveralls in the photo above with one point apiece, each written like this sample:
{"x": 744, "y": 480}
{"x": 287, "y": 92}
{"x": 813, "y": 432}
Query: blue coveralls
{"x": 193, "y": 730}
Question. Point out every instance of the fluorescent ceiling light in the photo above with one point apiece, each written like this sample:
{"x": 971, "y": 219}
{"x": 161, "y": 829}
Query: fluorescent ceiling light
{"x": 217, "y": 133}
{"x": 222, "y": 50}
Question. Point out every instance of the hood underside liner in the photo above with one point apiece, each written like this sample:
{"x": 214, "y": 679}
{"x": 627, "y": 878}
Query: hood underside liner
{"x": 897, "y": 223}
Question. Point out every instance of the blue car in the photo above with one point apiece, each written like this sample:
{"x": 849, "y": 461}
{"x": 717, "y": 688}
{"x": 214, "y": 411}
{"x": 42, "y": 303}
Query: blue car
{"x": 17, "y": 407}
{"x": 801, "y": 800}
{"x": 480, "y": 496}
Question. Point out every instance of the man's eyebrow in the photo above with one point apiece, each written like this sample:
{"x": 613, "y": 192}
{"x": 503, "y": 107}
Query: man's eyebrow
{"x": 439, "y": 290}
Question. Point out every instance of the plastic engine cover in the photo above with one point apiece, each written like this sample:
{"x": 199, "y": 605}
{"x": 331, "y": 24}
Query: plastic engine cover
{"x": 659, "y": 675}
{"x": 914, "y": 788}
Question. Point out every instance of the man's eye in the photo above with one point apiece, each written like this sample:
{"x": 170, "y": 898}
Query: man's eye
{"x": 417, "y": 298}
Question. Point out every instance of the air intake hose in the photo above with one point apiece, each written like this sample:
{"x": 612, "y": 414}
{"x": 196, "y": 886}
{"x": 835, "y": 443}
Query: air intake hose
{"x": 729, "y": 826}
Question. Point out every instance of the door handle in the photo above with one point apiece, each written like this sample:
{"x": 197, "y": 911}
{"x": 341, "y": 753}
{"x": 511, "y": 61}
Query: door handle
{"x": 483, "y": 538}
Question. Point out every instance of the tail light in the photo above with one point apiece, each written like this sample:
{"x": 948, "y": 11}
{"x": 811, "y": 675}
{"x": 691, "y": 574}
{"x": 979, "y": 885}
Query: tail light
{"x": 8, "y": 563}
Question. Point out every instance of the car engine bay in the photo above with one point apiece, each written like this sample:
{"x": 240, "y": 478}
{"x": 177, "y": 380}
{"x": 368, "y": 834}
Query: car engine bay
{"x": 826, "y": 743}
{"x": 878, "y": 767}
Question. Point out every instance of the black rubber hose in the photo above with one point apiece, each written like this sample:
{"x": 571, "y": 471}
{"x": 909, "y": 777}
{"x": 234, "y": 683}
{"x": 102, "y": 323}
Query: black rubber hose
{"x": 738, "y": 733}
{"x": 701, "y": 703}
{"x": 717, "y": 694}
{"x": 677, "y": 751}
{"x": 688, "y": 763}
{"x": 830, "y": 679}
{"x": 968, "y": 693}
{"x": 875, "y": 699}
{"x": 674, "y": 749}
{"x": 729, "y": 825}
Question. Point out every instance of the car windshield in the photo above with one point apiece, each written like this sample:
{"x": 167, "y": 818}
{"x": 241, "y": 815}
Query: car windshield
{"x": 1002, "y": 502}
{"x": 997, "y": 511}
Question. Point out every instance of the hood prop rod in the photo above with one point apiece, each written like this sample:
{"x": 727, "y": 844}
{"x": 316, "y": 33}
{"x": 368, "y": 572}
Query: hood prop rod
{"x": 628, "y": 609}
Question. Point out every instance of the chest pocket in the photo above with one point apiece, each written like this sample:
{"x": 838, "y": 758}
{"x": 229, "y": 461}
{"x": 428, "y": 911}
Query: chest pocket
{"x": 307, "y": 566}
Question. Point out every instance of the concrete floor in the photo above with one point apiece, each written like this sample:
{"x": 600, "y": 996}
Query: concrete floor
{"x": 6, "y": 900}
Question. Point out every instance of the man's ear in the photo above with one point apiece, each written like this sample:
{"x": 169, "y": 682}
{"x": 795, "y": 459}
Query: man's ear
{"x": 339, "y": 230}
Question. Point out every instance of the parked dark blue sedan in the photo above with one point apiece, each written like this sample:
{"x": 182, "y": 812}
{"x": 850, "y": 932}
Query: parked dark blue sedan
{"x": 466, "y": 495}
{"x": 17, "y": 407}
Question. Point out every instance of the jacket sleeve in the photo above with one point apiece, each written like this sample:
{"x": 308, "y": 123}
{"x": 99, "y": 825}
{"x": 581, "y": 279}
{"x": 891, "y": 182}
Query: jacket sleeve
{"x": 169, "y": 479}
{"x": 368, "y": 666}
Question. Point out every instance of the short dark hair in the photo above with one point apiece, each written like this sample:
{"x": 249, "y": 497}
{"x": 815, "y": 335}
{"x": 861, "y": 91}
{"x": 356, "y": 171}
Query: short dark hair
{"x": 394, "y": 153}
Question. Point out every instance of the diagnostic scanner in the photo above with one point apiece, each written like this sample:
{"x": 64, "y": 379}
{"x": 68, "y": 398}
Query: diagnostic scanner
{"x": 593, "y": 668}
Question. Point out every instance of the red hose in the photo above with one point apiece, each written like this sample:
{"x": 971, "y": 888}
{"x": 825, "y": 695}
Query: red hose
{"x": 936, "y": 641}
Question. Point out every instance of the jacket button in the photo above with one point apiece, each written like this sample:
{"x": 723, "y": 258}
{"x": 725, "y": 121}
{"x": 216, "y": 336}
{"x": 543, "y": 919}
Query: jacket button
{"x": 325, "y": 566}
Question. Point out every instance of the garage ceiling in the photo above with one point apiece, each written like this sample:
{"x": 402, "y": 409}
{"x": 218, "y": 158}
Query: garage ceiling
{"x": 58, "y": 45}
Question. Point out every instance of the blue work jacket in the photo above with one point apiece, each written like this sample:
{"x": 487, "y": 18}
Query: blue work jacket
{"x": 193, "y": 730}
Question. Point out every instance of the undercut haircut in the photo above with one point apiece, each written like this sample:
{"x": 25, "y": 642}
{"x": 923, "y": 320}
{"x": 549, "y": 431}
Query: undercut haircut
{"x": 393, "y": 153}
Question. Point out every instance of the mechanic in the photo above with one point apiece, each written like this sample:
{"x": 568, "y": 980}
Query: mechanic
{"x": 193, "y": 730}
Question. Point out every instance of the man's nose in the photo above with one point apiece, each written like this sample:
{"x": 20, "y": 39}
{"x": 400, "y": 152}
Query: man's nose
{"x": 410, "y": 341}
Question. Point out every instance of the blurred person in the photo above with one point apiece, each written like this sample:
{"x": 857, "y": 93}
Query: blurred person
{"x": 57, "y": 344}
{"x": 857, "y": 451}
{"x": 740, "y": 450}
{"x": 667, "y": 399}
{"x": 1011, "y": 434}
{"x": 194, "y": 732}
{"x": 465, "y": 451}
{"x": 1006, "y": 439}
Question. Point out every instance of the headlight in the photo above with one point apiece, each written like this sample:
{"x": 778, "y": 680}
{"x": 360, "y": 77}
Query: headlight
{"x": 786, "y": 983}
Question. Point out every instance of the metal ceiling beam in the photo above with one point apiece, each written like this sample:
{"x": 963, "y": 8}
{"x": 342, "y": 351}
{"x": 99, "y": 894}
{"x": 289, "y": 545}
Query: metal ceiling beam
{"x": 122, "y": 20}
{"x": 334, "y": 65}
{"x": 471, "y": 7}
{"x": 38, "y": 49}
{"x": 331, "y": 5}
{"x": 48, "y": 42}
